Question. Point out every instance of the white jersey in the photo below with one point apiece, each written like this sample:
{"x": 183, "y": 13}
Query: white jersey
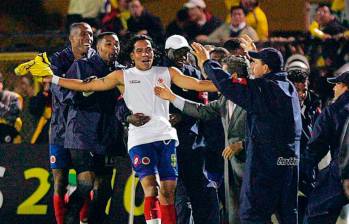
{"x": 139, "y": 97}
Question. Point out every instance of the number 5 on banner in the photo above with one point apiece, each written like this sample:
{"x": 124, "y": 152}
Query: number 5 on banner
{"x": 29, "y": 207}
{"x": 2, "y": 173}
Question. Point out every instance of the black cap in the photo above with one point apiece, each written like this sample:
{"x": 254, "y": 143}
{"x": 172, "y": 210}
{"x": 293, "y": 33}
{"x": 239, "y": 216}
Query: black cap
{"x": 271, "y": 57}
{"x": 343, "y": 78}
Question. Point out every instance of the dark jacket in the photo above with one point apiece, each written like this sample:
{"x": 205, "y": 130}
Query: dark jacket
{"x": 87, "y": 118}
{"x": 328, "y": 193}
{"x": 273, "y": 132}
{"x": 147, "y": 22}
{"x": 211, "y": 25}
{"x": 60, "y": 63}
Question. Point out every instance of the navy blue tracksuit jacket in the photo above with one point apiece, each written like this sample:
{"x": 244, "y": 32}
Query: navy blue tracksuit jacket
{"x": 328, "y": 196}
{"x": 274, "y": 128}
{"x": 86, "y": 114}
{"x": 60, "y": 64}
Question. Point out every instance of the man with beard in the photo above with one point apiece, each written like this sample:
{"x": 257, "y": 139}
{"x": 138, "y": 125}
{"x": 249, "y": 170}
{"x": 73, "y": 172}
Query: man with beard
{"x": 152, "y": 145}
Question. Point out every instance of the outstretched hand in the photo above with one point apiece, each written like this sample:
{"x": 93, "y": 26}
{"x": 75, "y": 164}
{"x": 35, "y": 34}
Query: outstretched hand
{"x": 200, "y": 53}
{"x": 164, "y": 92}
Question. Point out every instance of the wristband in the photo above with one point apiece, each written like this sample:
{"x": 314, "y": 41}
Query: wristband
{"x": 55, "y": 79}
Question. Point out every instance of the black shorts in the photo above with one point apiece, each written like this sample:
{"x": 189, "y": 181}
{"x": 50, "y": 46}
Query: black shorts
{"x": 86, "y": 160}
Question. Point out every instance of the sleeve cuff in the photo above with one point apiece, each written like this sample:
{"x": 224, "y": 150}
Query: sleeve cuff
{"x": 179, "y": 103}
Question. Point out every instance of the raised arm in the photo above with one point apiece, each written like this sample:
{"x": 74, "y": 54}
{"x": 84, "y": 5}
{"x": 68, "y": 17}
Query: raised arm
{"x": 193, "y": 109}
{"x": 114, "y": 79}
{"x": 187, "y": 82}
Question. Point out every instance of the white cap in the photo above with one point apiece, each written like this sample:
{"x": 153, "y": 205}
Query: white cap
{"x": 176, "y": 42}
{"x": 195, "y": 3}
{"x": 297, "y": 64}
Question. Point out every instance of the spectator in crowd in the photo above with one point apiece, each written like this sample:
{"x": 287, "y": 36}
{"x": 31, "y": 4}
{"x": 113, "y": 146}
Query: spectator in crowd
{"x": 143, "y": 22}
{"x": 203, "y": 22}
{"x": 85, "y": 11}
{"x": 116, "y": 19}
{"x": 332, "y": 186}
{"x": 256, "y": 18}
{"x": 203, "y": 200}
{"x": 236, "y": 28}
{"x": 329, "y": 27}
{"x": 10, "y": 108}
{"x": 179, "y": 25}
{"x": 270, "y": 181}
{"x": 234, "y": 47}
{"x": 40, "y": 107}
{"x": 233, "y": 119}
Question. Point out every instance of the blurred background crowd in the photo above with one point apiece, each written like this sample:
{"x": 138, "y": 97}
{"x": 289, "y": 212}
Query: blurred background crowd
{"x": 312, "y": 35}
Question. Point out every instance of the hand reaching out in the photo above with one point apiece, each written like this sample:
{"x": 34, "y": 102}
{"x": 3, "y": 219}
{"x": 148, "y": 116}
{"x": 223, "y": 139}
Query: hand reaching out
{"x": 164, "y": 92}
{"x": 200, "y": 53}
{"x": 247, "y": 43}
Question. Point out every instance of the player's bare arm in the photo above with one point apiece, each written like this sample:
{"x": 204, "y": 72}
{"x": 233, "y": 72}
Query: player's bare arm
{"x": 187, "y": 82}
{"x": 114, "y": 79}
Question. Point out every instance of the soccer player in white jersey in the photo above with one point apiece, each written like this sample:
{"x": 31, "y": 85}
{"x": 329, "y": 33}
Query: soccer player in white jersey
{"x": 152, "y": 145}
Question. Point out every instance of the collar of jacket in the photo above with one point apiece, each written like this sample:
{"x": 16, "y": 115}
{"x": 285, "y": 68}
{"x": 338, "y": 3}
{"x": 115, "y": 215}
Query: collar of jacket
{"x": 343, "y": 100}
{"x": 280, "y": 76}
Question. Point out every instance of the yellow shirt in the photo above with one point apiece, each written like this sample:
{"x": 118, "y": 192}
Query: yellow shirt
{"x": 338, "y": 5}
{"x": 258, "y": 20}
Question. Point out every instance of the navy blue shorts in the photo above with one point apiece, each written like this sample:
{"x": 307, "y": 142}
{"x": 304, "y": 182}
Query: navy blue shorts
{"x": 155, "y": 158}
{"x": 59, "y": 157}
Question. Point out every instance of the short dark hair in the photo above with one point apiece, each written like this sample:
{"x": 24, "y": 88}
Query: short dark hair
{"x": 220, "y": 50}
{"x": 73, "y": 26}
{"x": 232, "y": 44}
{"x": 298, "y": 75}
{"x": 236, "y": 7}
{"x": 237, "y": 64}
{"x": 102, "y": 35}
{"x": 322, "y": 5}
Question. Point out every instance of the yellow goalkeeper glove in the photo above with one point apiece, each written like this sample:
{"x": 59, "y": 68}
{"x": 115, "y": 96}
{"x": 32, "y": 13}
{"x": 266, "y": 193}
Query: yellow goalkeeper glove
{"x": 40, "y": 66}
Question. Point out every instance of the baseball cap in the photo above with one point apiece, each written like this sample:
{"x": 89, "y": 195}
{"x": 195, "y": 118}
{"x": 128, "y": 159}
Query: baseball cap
{"x": 271, "y": 57}
{"x": 343, "y": 77}
{"x": 176, "y": 42}
{"x": 195, "y": 3}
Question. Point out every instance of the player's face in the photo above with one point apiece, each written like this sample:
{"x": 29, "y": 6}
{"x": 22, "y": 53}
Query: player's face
{"x": 81, "y": 39}
{"x": 109, "y": 48}
{"x": 143, "y": 55}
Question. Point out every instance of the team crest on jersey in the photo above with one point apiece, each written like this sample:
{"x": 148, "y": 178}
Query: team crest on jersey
{"x": 136, "y": 160}
{"x": 52, "y": 159}
{"x": 145, "y": 160}
{"x": 173, "y": 160}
